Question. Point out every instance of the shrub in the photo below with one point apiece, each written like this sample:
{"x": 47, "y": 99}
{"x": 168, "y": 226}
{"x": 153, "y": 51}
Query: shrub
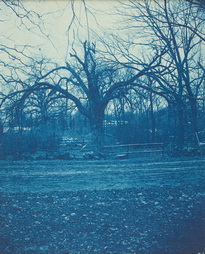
{"x": 29, "y": 141}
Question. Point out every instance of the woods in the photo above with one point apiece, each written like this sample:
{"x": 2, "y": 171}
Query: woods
{"x": 144, "y": 83}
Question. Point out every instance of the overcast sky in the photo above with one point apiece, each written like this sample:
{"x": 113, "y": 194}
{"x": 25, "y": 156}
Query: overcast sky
{"x": 49, "y": 35}
{"x": 54, "y": 22}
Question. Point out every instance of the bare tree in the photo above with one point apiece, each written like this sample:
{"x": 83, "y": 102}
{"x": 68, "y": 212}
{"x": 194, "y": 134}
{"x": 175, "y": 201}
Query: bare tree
{"x": 177, "y": 78}
{"x": 199, "y": 3}
{"x": 89, "y": 82}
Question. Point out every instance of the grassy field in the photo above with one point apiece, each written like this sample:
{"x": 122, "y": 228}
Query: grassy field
{"x": 153, "y": 205}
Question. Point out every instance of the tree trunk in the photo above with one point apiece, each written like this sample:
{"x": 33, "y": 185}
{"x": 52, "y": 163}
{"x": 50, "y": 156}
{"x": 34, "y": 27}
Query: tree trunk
{"x": 180, "y": 125}
{"x": 194, "y": 118}
{"x": 153, "y": 125}
{"x": 97, "y": 129}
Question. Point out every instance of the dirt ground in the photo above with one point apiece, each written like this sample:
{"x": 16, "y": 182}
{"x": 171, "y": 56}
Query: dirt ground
{"x": 143, "y": 205}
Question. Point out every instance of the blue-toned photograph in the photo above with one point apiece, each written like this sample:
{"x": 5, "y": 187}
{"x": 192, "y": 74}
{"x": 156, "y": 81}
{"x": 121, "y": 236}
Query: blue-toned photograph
{"x": 102, "y": 127}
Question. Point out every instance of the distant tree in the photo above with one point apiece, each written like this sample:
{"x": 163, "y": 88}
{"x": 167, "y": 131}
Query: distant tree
{"x": 89, "y": 82}
{"x": 178, "y": 78}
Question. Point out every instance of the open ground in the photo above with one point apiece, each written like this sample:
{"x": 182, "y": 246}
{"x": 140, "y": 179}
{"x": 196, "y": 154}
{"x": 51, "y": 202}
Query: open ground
{"x": 141, "y": 205}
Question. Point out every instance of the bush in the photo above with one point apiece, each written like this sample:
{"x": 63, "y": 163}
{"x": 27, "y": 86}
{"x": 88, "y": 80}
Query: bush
{"x": 29, "y": 141}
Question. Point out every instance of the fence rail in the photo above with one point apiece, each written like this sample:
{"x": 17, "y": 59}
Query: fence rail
{"x": 136, "y": 145}
{"x": 124, "y": 150}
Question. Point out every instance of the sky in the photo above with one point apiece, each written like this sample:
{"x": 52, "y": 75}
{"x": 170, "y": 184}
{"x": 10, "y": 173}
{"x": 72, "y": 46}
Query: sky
{"x": 54, "y": 40}
{"x": 49, "y": 36}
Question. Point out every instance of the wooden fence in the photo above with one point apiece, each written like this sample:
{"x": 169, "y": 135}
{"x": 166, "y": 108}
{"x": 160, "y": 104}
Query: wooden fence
{"x": 124, "y": 150}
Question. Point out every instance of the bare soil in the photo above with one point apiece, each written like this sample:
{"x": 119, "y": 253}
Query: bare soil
{"x": 144, "y": 205}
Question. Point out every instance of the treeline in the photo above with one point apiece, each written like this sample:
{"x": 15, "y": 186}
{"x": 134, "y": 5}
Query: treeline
{"x": 147, "y": 86}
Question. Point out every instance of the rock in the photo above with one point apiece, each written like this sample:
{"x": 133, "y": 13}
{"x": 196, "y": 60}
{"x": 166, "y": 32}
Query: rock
{"x": 89, "y": 156}
{"x": 63, "y": 156}
{"x": 43, "y": 248}
{"x": 30, "y": 248}
{"x": 100, "y": 155}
